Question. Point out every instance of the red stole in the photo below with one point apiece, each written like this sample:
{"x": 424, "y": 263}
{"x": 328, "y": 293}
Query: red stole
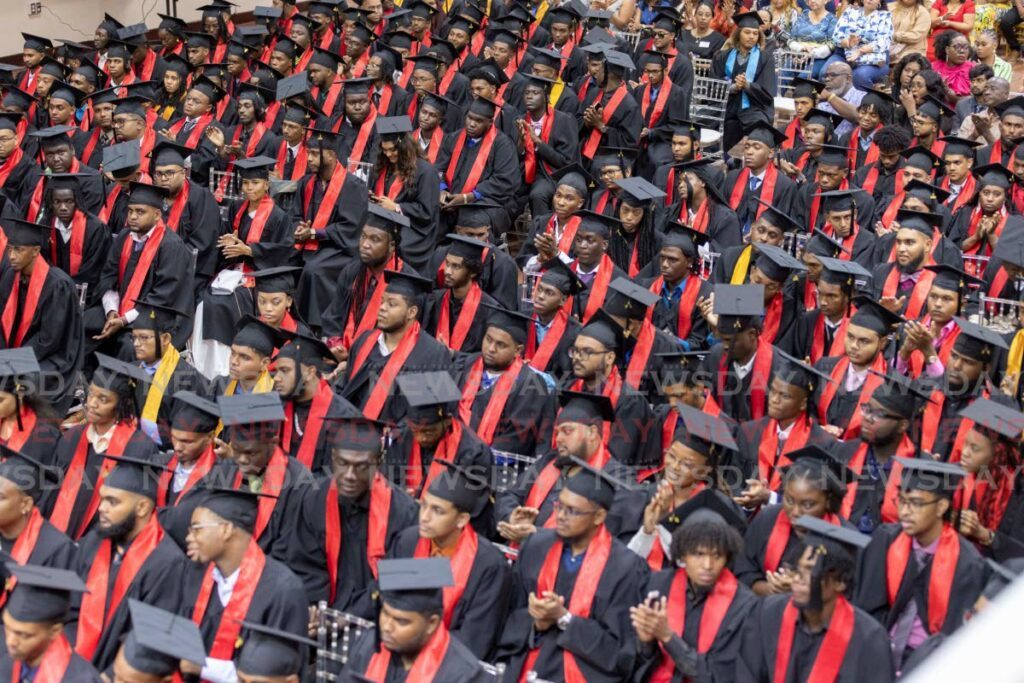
{"x": 18, "y": 437}
{"x": 53, "y": 665}
{"x": 945, "y": 348}
{"x": 365, "y": 131}
{"x": 75, "y": 246}
{"x": 446, "y": 449}
{"x": 641, "y": 354}
{"x": 298, "y": 166}
{"x": 758, "y": 379}
{"x": 793, "y": 135}
{"x": 687, "y": 302}
{"x": 529, "y": 150}
{"x": 202, "y": 467}
{"x": 258, "y": 224}
{"x": 568, "y": 232}
{"x": 455, "y": 337}
{"x": 91, "y": 145}
{"x": 257, "y": 134}
{"x": 772, "y": 319}
{"x": 197, "y": 130}
{"x": 23, "y": 547}
{"x": 375, "y": 402}
{"x": 599, "y": 288}
{"x": 652, "y": 115}
{"x": 476, "y": 171}
{"x": 838, "y": 346}
{"x": 905, "y": 449}
{"x": 915, "y": 306}
{"x": 769, "y": 460}
{"x": 314, "y": 424}
{"x": 326, "y": 209}
{"x": 932, "y": 420}
{"x": 701, "y": 218}
{"x": 424, "y": 669}
{"x": 238, "y": 606}
{"x": 869, "y": 159}
{"x": 966, "y": 192}
{"x": 594, "y": 139}
{"x": 546, "y": 479}
{"x": 9, "y": 164}
{"x": 983, "y": 248}
{"x": 500, "y": 392}
{"x": 462, "y": 565}
{"x": 540, "y": 356}
{"x": 436, "y": 137}
{"x": 816, "y": 203}
{"x": 142, "y": 266}
{"x": 715, "y": 609}
{"x": 14, "y": 338}
{"x": 766, "y": 190}
{"x": 838, "y": 375}
{"x": 940, "y": 583}
{"x": 394, "y": 188}
{"x": 779, "y": 538}
{"x": 178, "y": 207}
{"x": 376, "y": 529}
{"x": 95, "y": 616}
{"x": 583, "y": 593}
{"x": 832, "y": 652}
{"x": 366, "y": 318}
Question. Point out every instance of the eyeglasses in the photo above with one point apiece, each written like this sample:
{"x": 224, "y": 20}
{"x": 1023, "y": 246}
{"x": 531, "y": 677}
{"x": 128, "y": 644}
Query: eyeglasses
{"x": 915, "y": 504}
{"x": 583, "y": 354}
{"x": 142, "y": 338}
{"x": 833, "y": 74}
{"x": 570, "y": 511}
{"x": 193, "y": 528}
{"x": 959, "y": 46}
{"x": 871, "y": 413}
{"x": 167, "y": 174}
{"x": 661, "y": 34}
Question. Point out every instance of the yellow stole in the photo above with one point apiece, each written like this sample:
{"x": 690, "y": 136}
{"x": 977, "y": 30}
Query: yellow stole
{"x": 161, "y": 379}
{"x": 739, "y": 273}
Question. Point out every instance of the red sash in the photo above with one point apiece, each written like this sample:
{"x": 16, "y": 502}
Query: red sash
{"x": 548, "y": 476}
{"x": 767, "y": 189}
{"x": 366, "y": 317}
{"x": 940, "y": 583}
{"x": 178, "y": 207}
{"x": 758, "y": 380}
{"x": 142, "y": 266}
{"x": 540, "y": 356}
{"x": 424, "y": 669}
{"x": 40, "y": 269}
{"x": 530, "y": 152}
{"x": 323, "y": 213}
{"x": 9, "y": 164}
{"x": 365, "y": 131}
{"x": 944, "y": 349}
{"x": 273, "y": 482}
{"x": 982, "y": 248}
{"x": 91, "y": 146}
{"x": 434, "y": 147}
{"x": 772, "y": 319}
{"x": 23, "y": 548}
{"x": 583, "y": 593}
{"x": 202, "y": 467}
{"x": 568, "y": 232}
{"x": 53, "y": 664}
{"x": 258, "y": 132}
{"x": 832, "y": 652}
{"x": 462, "y": 565}
{"x": 455, "y": 337}
{"x": 375, "y": 402}
{"x": 75, "y": 246}
{"x": 60, "y": 517}
{"x": 838, "y": 346}
{"x": 447, "y": 449}
{"x": 641, "y": 354}
{"x": 18, "y": 437}
{"x": 932, "y": 420}
{"x": 599, "y": 288}
{"x": 314, "y": 424}
{"x": 919, "y": 295}
{"x": 906, "y": 449}
{"x": 659, "y": 103}
{"x": 299, "y": 165}
{"x": 499, "y": 397}
{"x": 838, "y": 375}
{"x": 95, "y": 617}
{"x": 792, "y": 134}
{"x": 869, "y": 160}
{"x": 238, "y": 606}
{"x": 594, "y": 140}
{"x": 779, "y": 538}
{"x": 376, "y": 530}
{"x": 394, "y": 189}
{"x": 701, "y": 218}
{"x": 687, "y": 302}
{"x": 385, "y": 99}
{"x": 769, "y": 461}
{"x": 995, "y": 156}
{"x": 258, "y": 224}
{"x": 476, "y": 171}
{"x": 816, "y": 203}
{"x": 715, "y": 609}
{"x": 998, "y": 283}
{"x": 966, "y": 192}
{"x": 196, "y": 134}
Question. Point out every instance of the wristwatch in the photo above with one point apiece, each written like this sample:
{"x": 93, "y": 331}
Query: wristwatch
{"x": 563, "y": 621}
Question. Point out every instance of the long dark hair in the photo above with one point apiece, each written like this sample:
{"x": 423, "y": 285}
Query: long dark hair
{"x": 620, "y": 249}
{"x": 407, "y": 155}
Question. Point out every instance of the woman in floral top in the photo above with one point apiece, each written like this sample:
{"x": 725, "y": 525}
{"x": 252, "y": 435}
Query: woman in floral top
{"x": 864, "y": 33}
{"x": 812, "y": 32}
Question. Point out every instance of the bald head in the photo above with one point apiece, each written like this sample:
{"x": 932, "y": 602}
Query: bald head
{"x": 997, "y": 91}
{"x": 838, "y": 77}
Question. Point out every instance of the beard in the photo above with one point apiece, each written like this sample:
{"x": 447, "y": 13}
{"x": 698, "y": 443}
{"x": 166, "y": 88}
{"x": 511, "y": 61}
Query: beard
{"x": 912, "y": 266}
{"x": 118, "y": 531}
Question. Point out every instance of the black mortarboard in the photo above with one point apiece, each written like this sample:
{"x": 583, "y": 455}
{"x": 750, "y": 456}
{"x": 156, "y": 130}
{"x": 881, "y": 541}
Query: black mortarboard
{"x": 407, "y": 284}
{"x": 68, "y": 93}
{"x": 594, "y": 484}
{"x": 501, "y": 34}
{"x": 816, "y": 456}
{"x": 618, "y": 61}
{"x": 564, "y": 14}
{"x": 934, "y": 108}
{"x": 160, "y": 640}
{"x": 15, "y": 363}
{"x": 305, "y": 349}
{"x": 952, "y": 279}
{"x": 37, "y": 43}
{"x": 422, "y": 10}
{"x": 922, "y": 158}
{"x": 708, "y": 172}
{"x": 923, "y": 222}
{"x": 629, "y": 300}
{"x": 26, "y": 473}
{"x": 266, "y": 12}
{"x": 134, "y": 106}
{"x": 926, "y": 474}
{"x": 926, "y": 191}
{"x": 819, "y": 117}
{"x": 295, "y": 112}
{"x": 704, "y": 430}
{"x": 276, "y": 279}
{"x": 776, "y": 263}
{"x": 514, "y": 323}
{"x": 603, "y": 329}
{"x": 806, "y": 87}
{"x": 684, "y": 237}
{"x": 51, "y": 67}
{"x": 175, "y": 24}
{"x": 877, "y": 99}
{"x": 475, "y": 215}
{"x": 110, "y": 24}
{"x": 899, "y": 395}
{"x": 134, "y": 475}
{"x": 681, "y": 367}
{"x": 439, "y": 102}
{"x": 16, "y": 97}
{"x": 320, "y": 138}
{"x": 976, "y": 341}
{"x": 272, "y": 652}
{"x": 747, "y": 20}
{"x": 821, "y": 245}
{"x": 54, "y": 136}
{"x": 169, "y": 153}
{"x": 213, "y": 91}
{"x": 193, "y": 413}
{"x": 596, "y": 223}
{"x": 200, "y": 39}
{"x": 707, "y": 504}
{"x": 959, "y": 146}
{"x": 573, "y": 175}
{"x": 1011, "y": 107}
{"x": 117, "y": 376}
{"x": 256, "y": 334}
{"x": 1010, "y": 247}
{"x": 237, "y": 506}
{"x": 875, "y": 317}
{"x": 356, "y": 432}
{"x": 293, "y": 86}
{"x": 147, "y": 195}
{"x": 838, "y": 200}
{"x": 157, "y": 317}
{"x": 667, "y": 18}
{"x": 415, "y": 585}
{"x": 432, "y": 396}
{"x": 818, "y": 531}
{"x": 357, "y": 86}
{"x": 834, "y": 155}
{"x": 739, "y": 307}
{"x": 846, "y": 274}
{"x": 778, "y": 219}
{"x": 765, "y": 133}
{"x": 22, "y": 233}
{"x": 797, "y": 373}
{"x": 561, "y": 277}
{"x": 385, "y": 219}
{"x": 463, "y": 489}
{"x": 639, "y": 192}
{"x": 123, "y": 159}
{"x": 481, "y": 106}
{"x": 995, "y": 416}
{"x": 996, "y": 175}
{"x": 305, "y": 20}
{"x": 546, "y": 57}
{"x": 466, "y": 247}
{"x": 255, "y": 168}
{"x": 584, "y": 408}
{"x": 42, "y": 594}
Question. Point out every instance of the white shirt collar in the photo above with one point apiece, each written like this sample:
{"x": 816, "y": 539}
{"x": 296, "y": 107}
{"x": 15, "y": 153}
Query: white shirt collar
{"x": 225, "y": 586}
{"x": 783, "y": 434}
{"x": 743, "y": 370}
{"x": 99, "y": 442}
{"x": 144, "y": 236}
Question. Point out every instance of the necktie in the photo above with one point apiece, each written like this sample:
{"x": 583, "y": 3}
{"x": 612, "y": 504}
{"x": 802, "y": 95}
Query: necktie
{"x": 291, "y": 154}
{"x": 189, "y": 125}
{"x": 906, "y": 286}
{"x": 755, "y": 184}
{"x": 137, "y": 247}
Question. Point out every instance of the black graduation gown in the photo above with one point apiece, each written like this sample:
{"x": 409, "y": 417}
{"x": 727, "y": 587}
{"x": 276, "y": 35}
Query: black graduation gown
{"x": 300, "y": 423}
{"x": 718, "y": 664}
{"x": 55, "y": 333}
{"x": 561, "y": 148}
{"x": 307, "y": 551}
{"x": 346, "y": 290}
{"x": 724, "y": 229}
{"x": 560, "y": 367}
{"x": 727, "y": 262}
{"x": 398, "y": 104}
{"x": 580, "y": 302}
{"x": 650, "y": 381}
{"x": 751, "y": 432}
{"x": 91, "y": 191}
{"x": 349, "y": 133}
{"x": 427, "y": 355}
{"x": 458, "y": 666}
{"x": 879, "y": 275}
{"x": 499, "y": 277}
{"x": 602, "y": 644}
{"x": 158, "y": 583}
{"x": 950, "y": 420}
{"x": 629, "y": 439}
{"x": 677, "y": 108}
{"x": 267, "y": 145}
{"x": 95, "y": 247}
{"x": 499, "y": 181}
{"x": 736, "y": 401}
{"x": 1008, "y": 541}
{"x": 886, "y": 183}
{"x": 200, "y": 227}
{"x": 872, "y": 596}
{"x": 526, "y": 422}
{"x": 184, "y": 378}
{"x": 803, "y": 335}
{"x": 52, "y": 549}
{"x": 760, "y": 94}
{"x": 337, "y": 241}
{"x": 480, "y": 613}
{"x": 866, "y": 512}
{"x": 418, "y": 201}
{"x": 21, "y": 182}
{"x": 475, "y": 334}
{"x": 205, "y": 156}
{"x": 864, "y": 203}
{"x": 867, "y": 656}
{"x": 841, "y": 410}
{"x": 42, "y": 441}
{"x": 746, "y": 210}
{"x": 622, "y": 129}
{"x": 78, "y": 671}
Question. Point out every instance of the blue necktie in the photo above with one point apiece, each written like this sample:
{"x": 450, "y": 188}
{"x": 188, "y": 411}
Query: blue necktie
{"x": 755, "y": 183}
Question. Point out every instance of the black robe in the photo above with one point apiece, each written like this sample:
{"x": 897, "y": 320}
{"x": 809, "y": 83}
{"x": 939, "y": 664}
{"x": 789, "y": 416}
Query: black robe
{"x": 650, "y": 384}
{"x": 78, "y": 671}
{"x": 658, "y": 150}
{"x": 724, "y": 229}
{"x": 458, "y": 666}
{"x": 498, "y": 183}
{"x": 199, "y": 228}
{"x": 158, "y": 583}
{"x": 348, "y": 289}
{"x": 631, "y": 437}
{"x": 184, "y": 378}
{"x": 478, "y": 616}
{"x": 750, "y": 434}
{"x": 844, "y": 404}
{"x": 526, "y": 422}
{"x": 339, "y": 407}
{"x": 559, "y": 366}
{"x": 55, "y": 333}
{"x": 803, "y": 335}
{"x": 90, "y": 195}
{"x": 418, "y": 200}
{"x": 21, "y": 182}
{"x": 475, "y": 335}
{"x": 749, "y": 206}
{"x": 727, "y": 262}
{"x": 666, "y": 316}
{"x": 760, "y": 93}
{"x": 886, "y": 183}
{"x": 52, "y": 549}
{"x": 867, "y": 656}
{"x": 623, "y": 127}
{"x": 718, "y": 664}
{"x": 561, "y": 148}
{"x": 337, "y": 241}
{"x": 307, "y": 551}
{"x": 348, "y": 134}
{"x": 735, "y": 402}
{"x": 866, "y": 511}
{"x": 580, "y": 302}
{"x": 603, "y": 644}
{"x": 95, "y": 247}
{"x": 499, "y": 277}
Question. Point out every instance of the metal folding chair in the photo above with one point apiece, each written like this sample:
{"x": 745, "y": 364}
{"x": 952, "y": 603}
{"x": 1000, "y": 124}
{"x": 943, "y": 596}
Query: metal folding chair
{"x": 701, "y": 66}
{"x": 495, "y": 672}
{"x": 975, "y": 264}
{"x": 335, "y": 634}
{"x": 83, "y": 294}
{"x": 707, "y": 109}
{"x": 508, "y": 467}
{"x": 226, "y": 187}
{"x": 1000, "y": 315}
{"x": 789, "y": 65}
{"x": 360, "y": 169}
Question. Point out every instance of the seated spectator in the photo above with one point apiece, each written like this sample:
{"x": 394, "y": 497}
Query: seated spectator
{"x": 983, "y": 126}
{"x": 980, "y": 75}
{"x": 779, "y": 15}
{"x": 957, "y": 15}
{"x": 911, "y": 24}
{"x": 925, "y": 84}
{"x": 702, "y": 40}
{"x": 812, "y": 33}
{"x": 985, "y": 46}
{"x": 864, "y": 32}
{"x": 952, "y": 62}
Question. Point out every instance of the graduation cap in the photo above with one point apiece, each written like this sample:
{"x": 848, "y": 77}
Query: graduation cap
{"x": 705, "y": 433}
{"x": 134, "y": 475}
{"x": 623, "y": 157}
{"x": 564, "y": 14}
{"x": 147, "y": 195}
{"x": 618, "y": 62}
{"x": 54, "y": 137}
{"x": 110, "y": 24}
{"x": 133, "y": 35}
{"x": 481, "y": 106}
{"x": 667, "y": 18}
{"x": 466, "y": 491}
{"x": 681, "y": 367}
{"x": 256, "y": 334}
{"x": 156, "y": 317}
{"x": 573, "y": 175}
{"x": 922, "y": 158}
{"x": 953, "y": 279}
{"x": 638, "y": 191}
{"x": 934, "y": 108}
{"x": 213, "y": 92}
{"x": 562, "y": 277}
{"x": 977, "y": 342}
{"x": 776, "y": 263}
{"x": 596, "y": 223}
{"x": 293, "y": 86}
{"x": 997, "y": 417}
{"x": 838, "y": 200}
{"x": 16, "y": 97}
{"x": 237, "y": 506}
{"x": 500, "y": 34}
{"x": 596, "y": 485}
{"x": 765, "y": 133}
{"x": 422, "y": 10}
{"x": 22, "y": 233}
{"x": 466, "y": 247}
{"x": 255, "y": 168}
{"x": 160, "y": 640}
{"x": 133, "y": 106}
{"x": 415, "y": 585}
{"x": 311, "y": 24}
{"x": 193, "y": 413}
{"x": 26, "y": 473}
{"x": 873, "y": 316}
{"x": 706, "y": 505}
{"x": 51, "y": 67}
{"x": 475, "y": 215}
{"x": 603, "y": 329}
{"x": 846, "y": 274}
{"x": 305, "y": 349}
{"x": 265, "y": 12}
{"x": 122, "y": 160}
{"x": 877, "y": 99}
{"x": 739, "y": 307}
{"x": 258, "y": 94}
{"x": 37, "y": 43}
{"x": 385, "y": 219}
{"x": 1010, "y": 249}
{"x": 899, "y": 395}
{"x": 199, "y": 39}
{"x": 684, "y": 238}
{"x": 42, "y": 594}
{"x": 515, "y": 324}
{"x": 356, "y": 432}
{"x": 926, "y": 474}
{"x": 797, "y": 373}
{"x": 819, "y": 117}
{"x": 174, "y": 24}
{"x": 926, "y": 191}
{"x": 408, "y": 285}
{"x": 1011, "y": 107}
{"x": 921, "y": 221}
{"x": 489, "y": 71}
{"x": 68, "y": 93}
{"x": 549, "y": 58}
{"x": 629, "y": 300}
{"x": 323, "y": 139}
{"x": 584, "y": 408}
{"x": 995, "y": 175}
{"x": 432, "y": 396}
{"x": 279, "y": 279}
{"x": 806, "y": 87}
{"x": 747, "y": 20}
{"x": 834, "y": 155}
{"x": 272, "y": 652}
{"x": 15, "y": 363}
{"x": 711, "y": 175}
{"x": 959, "y": 146}
{"x": 440, "y": 103}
